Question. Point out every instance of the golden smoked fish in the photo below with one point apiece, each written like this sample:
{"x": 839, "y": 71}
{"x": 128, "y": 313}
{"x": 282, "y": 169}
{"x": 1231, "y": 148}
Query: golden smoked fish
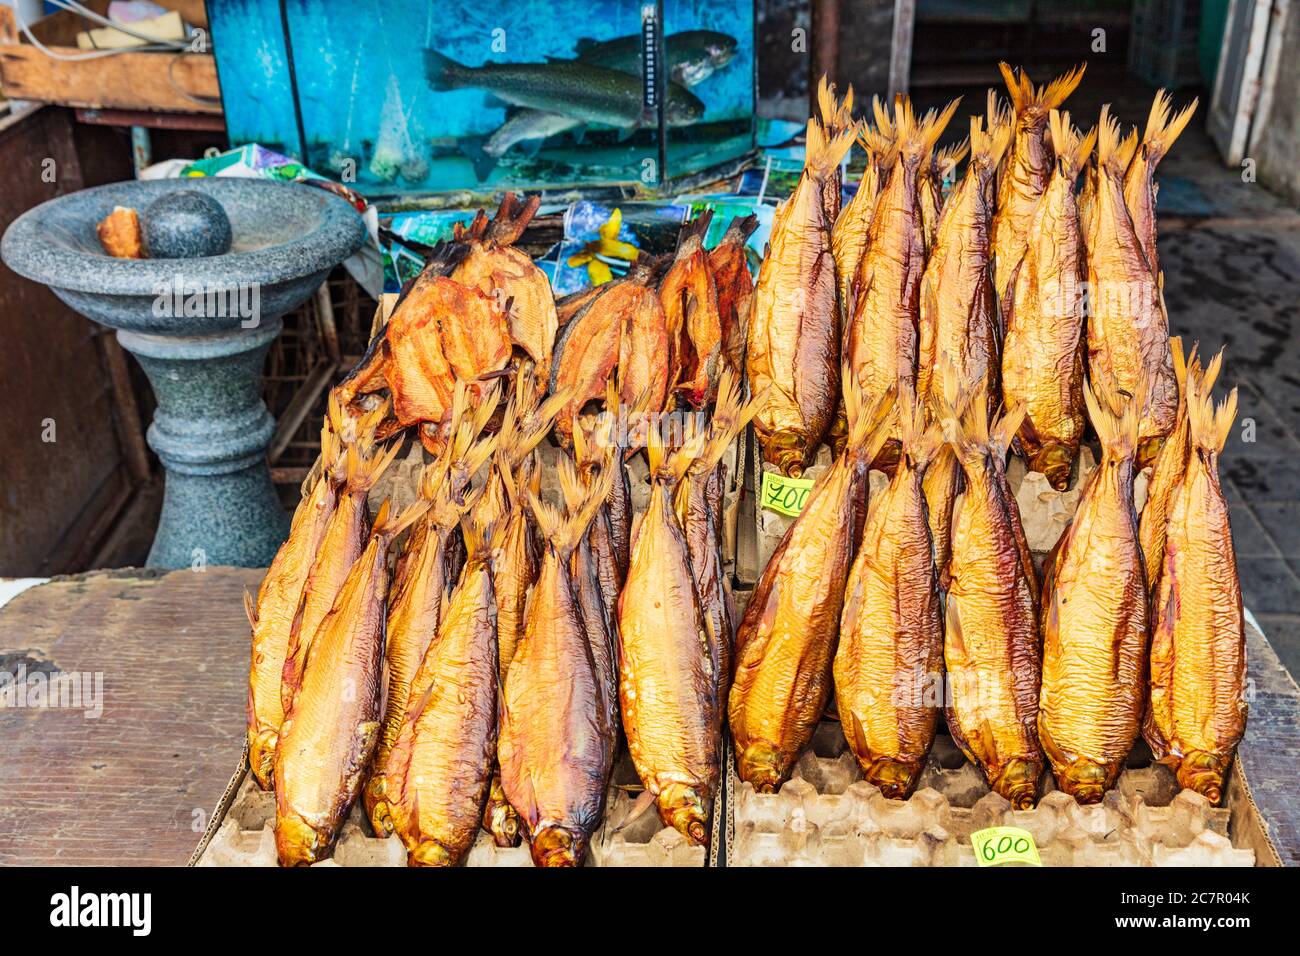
{"x": 991, "y": 644}
{"x": 330, "y": 732}
{"x": 497, "y": 269}
{"x": 278, "y": 599}
{"x": 690, "y": 299}
{"x": 1028, "y": 168}
{"x": 881, "y": 341}
{"x": 1139, "y": 176}
{"x": 440, "y": 770}
{"x": 671, "y": 715}
{"x": 929, "y": 185}
{"x": 786, "y": 641}
{"x": 1197, "y": 711}
{"x": 1171, "y": 464}
{"x": 958, "y": 315}
{"x": 423, "y": 585}
{"x": 794, "y": 333}
{"x": 596, "y": 454}
{"x": 889, "y": 665}
{"x": 345, "y": 538}
{"x": 941, "y": 486}
{"x": 700, "y": 517}
{"x": 1042, "y": 359}
{"x": 557, "y": 737}
{"x": 837, "y": 118}
{"x": 852, "y": 228}
{"x": 735, "y": 289}
{"x": 1094, "y": 619}
{"x": 1128, "y": 329}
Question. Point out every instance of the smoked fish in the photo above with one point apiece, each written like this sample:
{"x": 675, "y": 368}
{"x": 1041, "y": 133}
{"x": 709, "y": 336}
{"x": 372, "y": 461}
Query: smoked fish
{"x": 595, "y": 454}
{"x": 331, "y": 729}
{"x": 1171, "y": 464}
{"x": 787, "y": 638}
{"x": 881, "y": 341}
{"x": 929, "y": 186}
{"x": 1094, "y": 619}
{"x": 690, "y": 299}
{"x": 1197, "y": 710}
{"x": 557, "y": 739}
{"x": 735, "y": 289}
{"x": 958, "y": 315}
{"x": 889, "y": 665}
{"x": 851, "y": 230}
{"x": 700, "y": 516}
{"x": 1139, "y": 176}
{"x": 1043, "y": 312}
{"x": 278, "y": 599}
{"x": 671, "y": 715}
{"x": 991, "y": 642}
{"x": 836, "y": 118}
{"x": 1029, "y": 166}
{"x": 439, "y": 772}
{"x": 426, "y": 574}
{"x": 794, "y": 332}
{"x": 1128, "y": 329}
{"x": 497, "y": 269}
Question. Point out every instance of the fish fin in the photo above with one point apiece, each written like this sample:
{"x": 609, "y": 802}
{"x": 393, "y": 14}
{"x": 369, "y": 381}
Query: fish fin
{"x": 987, "y": 147}
{"x": 582, "y": 503}
{"x": 825, "y": 152}
{"x": 643, "y": 802}
{"x": 1072, "y": 148}
{"x": 867, "y": 426}
{"x": 512, "y": 218}
{"x": 1211, "y": 374}
{"x": 916, "y": 138}
{"x": 836, "y": 115}
{"x": 440, "y": 71}
{"x": 1024, "y": 95}
{"x": 1161, "y": 129}
{"x": 365, "y": 470}
{"x": 1059, "y": 90}
{"x": 1115, "y": 418}
{"x": 998, "y": 113}
{"x": 740, "y": 229}
{"x": 250, "y": 611}
{"x": 730, "y": 415}
{"x": 482, "y": 161}
{"x": 584, "y": 44}
{"x": 696, "y": 228}
{"x": 1209, "y": 424}
{"x": 1004, "y": 431}
{"x": 920, "y": 444}
{"x": 1113, "y": 153}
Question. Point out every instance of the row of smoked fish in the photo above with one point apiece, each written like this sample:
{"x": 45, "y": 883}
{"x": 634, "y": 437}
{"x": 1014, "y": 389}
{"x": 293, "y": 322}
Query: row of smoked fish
{"x": 487, "y": 680}
{"x": 1002, "y": 315}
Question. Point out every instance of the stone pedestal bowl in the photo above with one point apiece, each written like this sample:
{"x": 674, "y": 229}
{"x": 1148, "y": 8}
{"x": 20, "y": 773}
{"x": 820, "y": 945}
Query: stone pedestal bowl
{"x": 200, "y": 327}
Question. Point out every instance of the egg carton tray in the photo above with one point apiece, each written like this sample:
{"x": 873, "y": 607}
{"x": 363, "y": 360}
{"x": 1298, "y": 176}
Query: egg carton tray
{"x": 244, "y": 835}
{"x": 827, "y": 815}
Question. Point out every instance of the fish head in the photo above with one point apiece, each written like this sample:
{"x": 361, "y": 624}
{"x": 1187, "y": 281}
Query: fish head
{"x": 1202, "y": 773}
{"x": 381, "y": 816}
{"x": 894, "y": 778}
{"x": 787, "y": 450}
{"x": 721, "y": 48}
{"x": 558, "y": 847}
{"x": 684, "y": 107}
{"x": 297, "y": 842}
{"x": 1056, "y": 462}
{"x": 430, "y": 853}
{"x": 686, "y": 810}
{"x": 1085, "y": 781}
{"x": 1018, "y": 782}
{"x": 261, "y": 755}
{"x": 762, "y": 765}
{"x": 503, "y": 823}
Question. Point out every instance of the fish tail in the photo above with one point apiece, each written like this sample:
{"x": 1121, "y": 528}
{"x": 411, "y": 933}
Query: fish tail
{"x": 988, "y": 147}
{"x": 740, "y": 229}
{"x": 1024, "y": 95}
{"x": 696, "y": 228}
{"x": 868, "y": 427}
{"x": 1161, "y": 129}
{"x": 389, "y": 524}
{"x": 582, "y": 503}
{"x": 946, "y": 159}
{"x": 364, "y": 470}
{"x": 512, "y": 218}
{"x": 1115, "y": 417}
{"x": 964, "y": 416}
{"x": 836, "y": 114}
{"x": 441, "y": 72}
{"x": 731, "y": 414}
{"x": 878, "y": 144}
{"x": 824, "y": 151}
{"x": 916, "y": 138}
{"x": 1072, "y": 148}
{"x": 919, "y": 443}
{"x": 1209, "y": 424}
{"x": 1059, "y": 90}
{"x": 1113, "y": 152}
{"x": 998, "y": 113}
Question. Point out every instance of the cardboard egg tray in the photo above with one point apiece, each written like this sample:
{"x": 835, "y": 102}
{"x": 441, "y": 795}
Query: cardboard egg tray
{"x": 827, "y": 815}
{"x": 243, "y": 834}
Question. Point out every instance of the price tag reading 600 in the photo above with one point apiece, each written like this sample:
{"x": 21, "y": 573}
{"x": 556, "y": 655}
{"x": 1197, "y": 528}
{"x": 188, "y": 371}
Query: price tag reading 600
{"x": 785, "y": 495}
{"x": 998, "y": 845}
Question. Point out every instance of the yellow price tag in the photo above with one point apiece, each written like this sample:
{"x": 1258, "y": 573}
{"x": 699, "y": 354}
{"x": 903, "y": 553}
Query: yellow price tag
{"x": 784, "y": 495}
{"x": 996, "y": 846}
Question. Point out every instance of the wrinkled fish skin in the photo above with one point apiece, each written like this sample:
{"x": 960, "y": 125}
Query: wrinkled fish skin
{"x": 882, "y": 339}
{"x": 671, "y": 717}
{"x": 1095, "y": 624}
{"x": 794, "y": 335}
{"x": 735, "y": 289}
{"x": 1028, "y": 169}
{"x": 1128, "y": 330}
{"x": 1042, "y": 363}
{"x": 330, "y": 733}
{"x": 1170, "y": 465}
{"x": 595, "y": 453}
{"x": 890, "y": 656}
{"x": 440, "y": 770}
{"x": 690, "y": 300}
{"x": 1197, "y": 712}
{"x": 958, "y": 320}
{"x": 929, "y": 187}
{"x": 852, "y": 228}
{"x": 1139, "y": 177}
{"x": 557, "y": 737}
{"x": 941, "y": 485}
{"x": 991, "y": 642}
{"x": 786, "y": 641}
{"x": 277, "y": 604}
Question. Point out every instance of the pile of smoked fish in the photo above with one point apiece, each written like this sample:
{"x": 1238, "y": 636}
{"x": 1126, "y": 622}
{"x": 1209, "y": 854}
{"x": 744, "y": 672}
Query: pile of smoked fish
{"x": 527, "y": 624}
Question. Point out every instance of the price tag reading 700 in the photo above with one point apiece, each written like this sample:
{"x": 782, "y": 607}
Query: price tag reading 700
{"x": 785, "y": 495}
{"x": 998, "y": 845}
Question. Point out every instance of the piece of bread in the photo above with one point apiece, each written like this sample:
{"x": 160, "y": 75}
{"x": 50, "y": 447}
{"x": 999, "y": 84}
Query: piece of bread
{"x": 120, "y": 234}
